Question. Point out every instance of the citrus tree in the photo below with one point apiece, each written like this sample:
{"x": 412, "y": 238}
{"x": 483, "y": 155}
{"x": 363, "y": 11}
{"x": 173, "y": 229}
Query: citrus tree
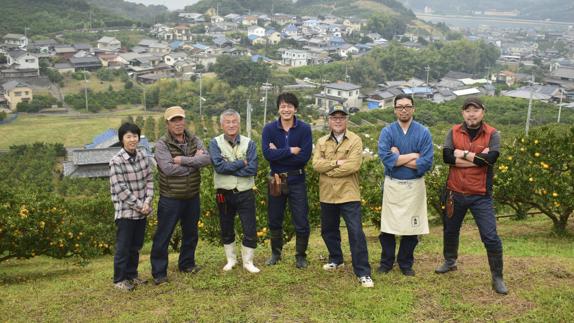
{"x": 535, "y": 172}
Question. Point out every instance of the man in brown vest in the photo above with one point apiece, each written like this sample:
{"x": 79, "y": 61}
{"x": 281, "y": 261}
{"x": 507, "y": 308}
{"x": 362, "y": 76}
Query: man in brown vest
{"x": 471, "y": 149}
{"x": 179, "y": 155}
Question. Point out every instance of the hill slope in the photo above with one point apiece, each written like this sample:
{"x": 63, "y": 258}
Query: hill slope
{"x": 42, "y": 16}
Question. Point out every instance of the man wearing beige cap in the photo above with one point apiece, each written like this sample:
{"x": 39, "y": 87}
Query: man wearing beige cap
{"x": 179, "y": 156}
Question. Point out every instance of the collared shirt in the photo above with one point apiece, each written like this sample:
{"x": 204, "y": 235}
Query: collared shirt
{"x": 188, "y": 163}
{"x": 131, "y": 184}
{"x": 281, "y": 160}
{"x": 235, "y": 168}
{"x": 338, "y": 183}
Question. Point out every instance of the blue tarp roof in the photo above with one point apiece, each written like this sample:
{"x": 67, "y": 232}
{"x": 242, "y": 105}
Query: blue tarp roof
{"x": 176, "y": 44}
{"x": 104, "y": 136}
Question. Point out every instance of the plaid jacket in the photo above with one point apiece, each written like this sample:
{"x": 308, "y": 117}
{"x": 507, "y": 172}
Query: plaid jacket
{"x": 131, "y": 184}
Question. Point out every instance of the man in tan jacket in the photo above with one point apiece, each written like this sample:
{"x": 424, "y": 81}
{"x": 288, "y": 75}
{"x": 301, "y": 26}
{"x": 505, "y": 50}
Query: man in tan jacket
{"x": 337, "y": 158}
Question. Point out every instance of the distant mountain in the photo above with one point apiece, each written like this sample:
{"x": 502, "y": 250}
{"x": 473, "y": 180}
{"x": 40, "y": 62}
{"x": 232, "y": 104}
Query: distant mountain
{"x": 136, "y": 11}
{"x": 560, "y": 10}
{"x": 343, "y": 8}
{"x": 42, "y": 16}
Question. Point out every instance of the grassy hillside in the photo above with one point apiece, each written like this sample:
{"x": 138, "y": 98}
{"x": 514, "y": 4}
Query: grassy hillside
{"x": 539, "y": 272}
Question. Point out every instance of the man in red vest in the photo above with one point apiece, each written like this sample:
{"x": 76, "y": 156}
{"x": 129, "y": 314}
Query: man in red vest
{"x": 470, "y": 150}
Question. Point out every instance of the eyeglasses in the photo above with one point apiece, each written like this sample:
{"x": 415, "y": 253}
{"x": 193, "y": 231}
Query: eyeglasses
{"x": 338, "y": 118}
{"x": 403, "y": 107}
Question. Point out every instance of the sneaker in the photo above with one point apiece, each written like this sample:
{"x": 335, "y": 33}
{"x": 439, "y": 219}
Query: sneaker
{"x": 160, "y": 280}
{"x": 124, "y": 285}
{"x": 191, "y": 270}
{"x": 366, "y": 281}
{"x": 332, "y": 266}
{"x": 138, "y": 281}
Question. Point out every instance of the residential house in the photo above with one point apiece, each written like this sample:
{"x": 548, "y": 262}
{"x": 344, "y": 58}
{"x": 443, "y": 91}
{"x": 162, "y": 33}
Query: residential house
{"x": 233, "y": 17}
{"x": 290, "y": 31}
{"x": 159, "y": 49}
{"x": 282, "y": 19}
{"x": 273, "y": 37}
{"x": 256, "y": 30}
{"x": 22, "y": 60}
{"x": 344, "y": 93}
{"x": 18, "y": 40}
{"x": 172, "y": 58}
{"x": 296, "y": 57}
{"x": 216, "y": 19}
{"x": 347, "y": 50}
{"x": 89, "y": 63}
{"x": 64, "y": 68}
{"x": 222, "y": 42}
{"x": 236, "y": 52}
{"x": 109, "y": 44}
{"x": 182, "y": 32}
{"x": 42, "y": 46}
{"x": 184, "y": 66}
{"x": 15, "y": 92}
{"x": 93, "y": 160}
{"x": 538, "y": 92}
{"x": 506, "y": 77}
{"x": 249, "y": 21}
{"x": 256, "y": 40}
{"x": 352, "y": 25}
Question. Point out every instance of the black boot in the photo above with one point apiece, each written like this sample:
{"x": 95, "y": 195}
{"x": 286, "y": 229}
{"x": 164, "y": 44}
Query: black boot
{"x": 450, "y": 252}
{"x": 496, "y": 265}
{"x": 276, "y": 246}
{"x": 301, "y": 243}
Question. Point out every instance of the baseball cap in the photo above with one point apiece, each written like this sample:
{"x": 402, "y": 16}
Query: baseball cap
{"x": 473, "y": 100}
{"x": 172, "y": 112}
{"x": 338, "y": 108}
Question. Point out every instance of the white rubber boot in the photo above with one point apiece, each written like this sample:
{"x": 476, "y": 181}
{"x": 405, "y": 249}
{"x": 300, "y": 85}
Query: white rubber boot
{"x": 247, "y": 255}
{"x": 230, "y": 254}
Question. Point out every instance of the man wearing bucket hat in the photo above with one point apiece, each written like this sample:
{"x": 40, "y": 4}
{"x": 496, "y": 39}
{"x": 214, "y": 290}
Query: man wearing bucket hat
{"x": 179, "y": 155}
{"x": 471, "y": 150}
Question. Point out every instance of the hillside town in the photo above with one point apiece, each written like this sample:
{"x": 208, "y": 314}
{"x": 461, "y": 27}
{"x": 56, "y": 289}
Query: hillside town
{"x": 192, "y": 45}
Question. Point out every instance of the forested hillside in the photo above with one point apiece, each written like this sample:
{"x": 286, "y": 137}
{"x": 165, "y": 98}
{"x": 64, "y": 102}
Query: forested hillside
{"x": 41, "y": 16}
{"x": 343, "y": 8}
{"x": 148, "y": 14}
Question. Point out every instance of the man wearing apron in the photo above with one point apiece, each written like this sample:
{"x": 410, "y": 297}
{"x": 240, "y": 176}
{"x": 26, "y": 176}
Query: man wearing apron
{"x": 470, "y": 150}
{"x": 406, "y": 151}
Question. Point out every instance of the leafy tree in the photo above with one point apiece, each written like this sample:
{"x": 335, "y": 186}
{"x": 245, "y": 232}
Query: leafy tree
{"x": 149, "y": 128}
{"x": 241, "y": 71}
{"x": 38, "y": 103}
{"x": 139, "y": 121}
{"x": 536, "y": 172}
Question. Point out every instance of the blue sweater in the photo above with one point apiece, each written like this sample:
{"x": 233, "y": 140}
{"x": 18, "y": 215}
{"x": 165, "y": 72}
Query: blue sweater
{"x": 281, "y": 159}
{"x": 416, "y": 140}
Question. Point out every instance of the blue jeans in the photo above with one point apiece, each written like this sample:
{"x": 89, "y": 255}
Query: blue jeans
{"x": 330, "y": 221}
{"x": 169, "y": 211}
{"x": 242, "y": 203}
{"x": 299, "y": 209}
{"x": 129, "y": 241}
{"x": 405, "y": 257}
{"x": 482, "y": 209}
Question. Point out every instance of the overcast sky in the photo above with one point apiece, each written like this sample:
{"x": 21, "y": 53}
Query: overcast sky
{"x": 171, "y": 4}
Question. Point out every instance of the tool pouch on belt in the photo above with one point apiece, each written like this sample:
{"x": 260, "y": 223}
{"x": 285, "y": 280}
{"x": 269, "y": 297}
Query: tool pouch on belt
{"x": 447, "y": 202}
{"x": 274, "y": 185}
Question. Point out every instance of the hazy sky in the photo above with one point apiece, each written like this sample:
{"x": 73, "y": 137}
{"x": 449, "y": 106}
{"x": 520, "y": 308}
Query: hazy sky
{"x": 171, "y": 4}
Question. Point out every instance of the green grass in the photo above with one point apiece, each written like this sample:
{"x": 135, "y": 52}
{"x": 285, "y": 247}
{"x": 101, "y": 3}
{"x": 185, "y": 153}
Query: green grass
{"x": 539, "y": 271}
{"x": 70, "y": 130}
{"x": 72, "y": 86}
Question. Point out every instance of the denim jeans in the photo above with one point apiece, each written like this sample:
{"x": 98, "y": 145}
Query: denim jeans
{"x": 330, "y": 221}
{"x": 169, "y": 211}
{"x": 405, "y": 256}
{"x": 482, "y": 209}
{"x": 129, "y": 241}
{"x": 242, "y": 203}
{"x": 299, "y": 209}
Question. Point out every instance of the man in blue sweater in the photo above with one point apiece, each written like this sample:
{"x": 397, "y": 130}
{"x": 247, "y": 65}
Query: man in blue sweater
{"x": 287, "y": 144}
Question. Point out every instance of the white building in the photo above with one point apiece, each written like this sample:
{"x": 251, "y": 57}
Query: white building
{"x": 347, "y": 94}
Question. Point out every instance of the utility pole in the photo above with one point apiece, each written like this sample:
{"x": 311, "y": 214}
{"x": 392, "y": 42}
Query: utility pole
{"x": 427, "y": 69}
{"x": 86, "y": 91}
{"x": 248, "y": 119}
{"x": 560, "y": 105}
{"x": 529, "y": 105}
{"x": 266, "y": 86}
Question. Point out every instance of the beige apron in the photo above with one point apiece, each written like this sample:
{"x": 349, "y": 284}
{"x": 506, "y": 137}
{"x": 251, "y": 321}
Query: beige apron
{"x": 404, "y": 209}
